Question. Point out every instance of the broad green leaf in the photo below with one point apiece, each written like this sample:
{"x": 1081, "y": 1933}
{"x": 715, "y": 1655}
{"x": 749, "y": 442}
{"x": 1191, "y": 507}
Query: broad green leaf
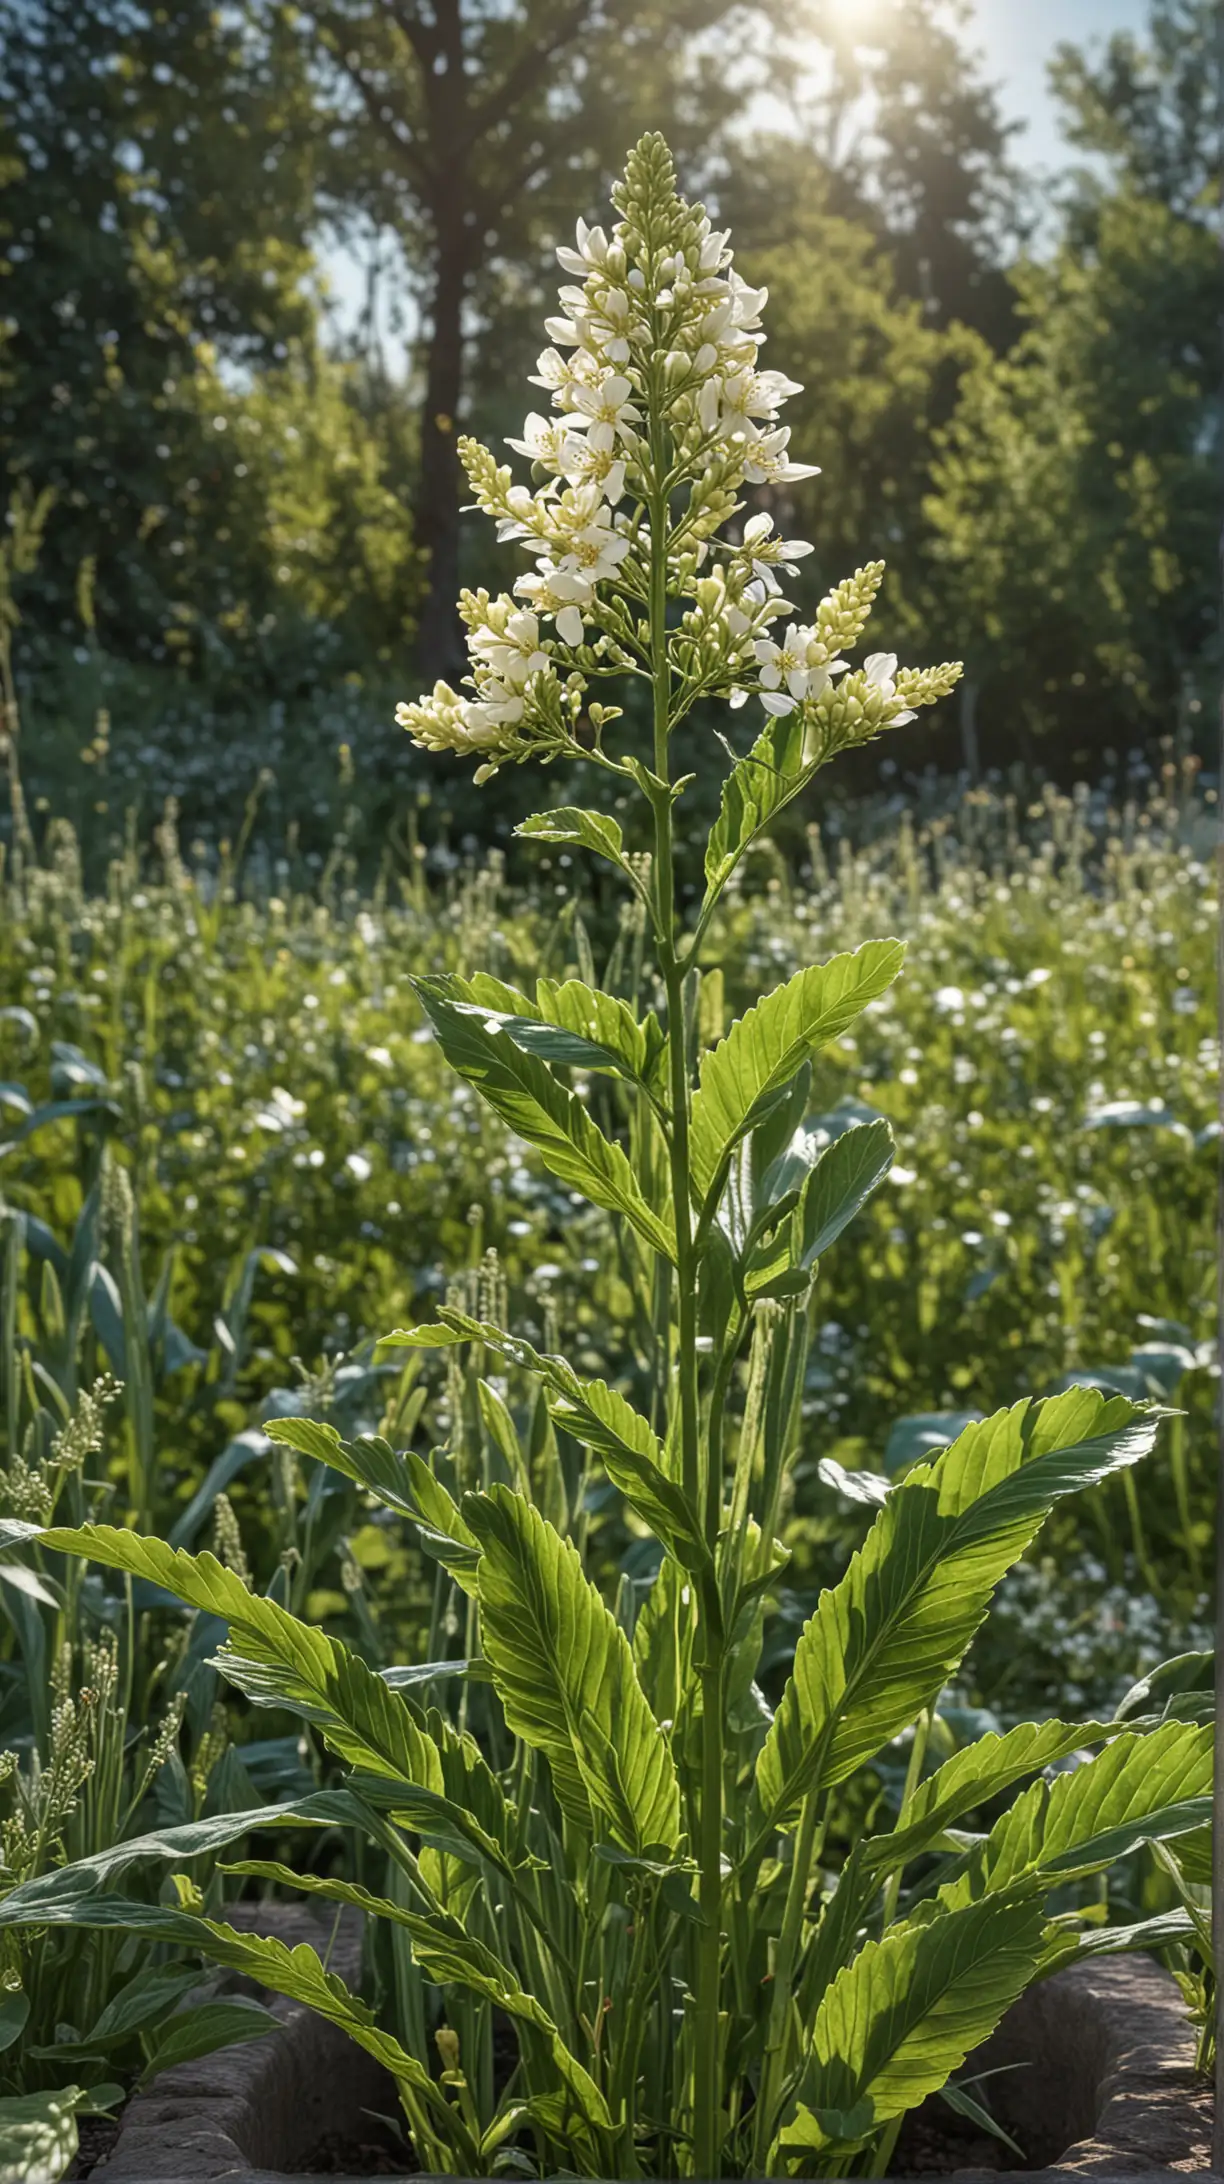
{"x": 756, "y": 788}
{"x": 607, "y": 1024}
{"x": 596, "y": 1415}
{"x": 902, "y": 2017}
{"x": 752, "y": 1066}
{"x": 537, "y": 1106}
{"x": 278, "y": 1661}
{"x": 1142, "y": 1788}
{"x": 401, "y": 1480}
{"x": 146, "y": 2000}
{"x": 839, "y": 1185}
{"x": 565, "y": 1676}
{"x": 188, "y": 2035}
{"x": 592, "y": 830}
{"x": 970, "y": 1778}
{"x": 885, "y": 1639}
{"x": 38, "y": 2136}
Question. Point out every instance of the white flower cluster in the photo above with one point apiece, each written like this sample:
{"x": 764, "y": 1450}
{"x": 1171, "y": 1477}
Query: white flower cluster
{"x": 659, "y": 404}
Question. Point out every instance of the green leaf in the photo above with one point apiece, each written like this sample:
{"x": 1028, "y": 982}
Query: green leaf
{"x": 190, "y": 2034}
{"x": 295, "y": 1972}
{"x": 278, "y": 1661}
{"x": 752, "y": 1066}
{"x": 970, "y": 1778}
{"x": 524, "y": 1092}
{"x": 597, "y": 1416}
{"x": 14, "y": 2016}
{"x": 756, "y": 788}
{"x": 38, "y": 2136}
{"x": 592, "y": 830}
{"x": 447, "y": 1954}
{"x": 606, "y": 1024}
{"x": 145, "y": 2000}
{"x": 885, "y": 1639}
{"x": 1142, "y": 1788}
{"x": 897, "y": 2022}
{"x": 565, "y": 1676}
{"x": 401, "y": 1480}
{"x": 839, "y": 1185}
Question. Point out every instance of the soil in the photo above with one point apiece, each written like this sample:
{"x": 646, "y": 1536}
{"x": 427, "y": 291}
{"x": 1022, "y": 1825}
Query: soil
{"x": 96, "y": 2136}
{"x": 336, "y": 2155}
{"x": 934, "y": 2142}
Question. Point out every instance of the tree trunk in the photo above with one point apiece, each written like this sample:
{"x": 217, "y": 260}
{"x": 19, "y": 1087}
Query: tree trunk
{"x": 440, "y": 649}
{"x": 968, "y": 727}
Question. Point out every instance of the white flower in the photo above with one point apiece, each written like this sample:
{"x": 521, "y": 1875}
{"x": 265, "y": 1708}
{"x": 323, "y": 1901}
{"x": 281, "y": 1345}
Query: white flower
{"x": 880, "y": 668}
{"x": 768, "y": 463}
{"x": 784, "y": 672}
{"x": 603, "y": 411}
{"x": 592, "y": 251}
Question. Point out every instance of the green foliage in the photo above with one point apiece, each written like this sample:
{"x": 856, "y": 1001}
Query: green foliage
{"x": 711, "y": 1954}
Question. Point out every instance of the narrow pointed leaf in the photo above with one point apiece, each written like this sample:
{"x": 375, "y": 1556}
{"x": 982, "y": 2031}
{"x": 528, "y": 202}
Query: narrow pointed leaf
{"x": 1144, "y": 1787}
{"x": 401, "y": 1480}
{"x": 752, "y": 1066}
{"x": 985, "y": 1769}
{"x": 524, "y": 1092}
{"x": 756, "y": 788}
{"x": 596, "y": 1415}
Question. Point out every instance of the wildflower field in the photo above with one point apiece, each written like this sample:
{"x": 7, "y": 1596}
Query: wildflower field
{"x": 618, "y": 1427}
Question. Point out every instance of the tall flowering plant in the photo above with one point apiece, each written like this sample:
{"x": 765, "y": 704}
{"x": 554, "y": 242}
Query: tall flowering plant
{"x": 611, "y": 1843}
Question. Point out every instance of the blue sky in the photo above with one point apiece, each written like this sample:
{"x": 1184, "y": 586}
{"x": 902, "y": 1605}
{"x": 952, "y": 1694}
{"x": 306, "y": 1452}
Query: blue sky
{"x": 1017, "y": 38}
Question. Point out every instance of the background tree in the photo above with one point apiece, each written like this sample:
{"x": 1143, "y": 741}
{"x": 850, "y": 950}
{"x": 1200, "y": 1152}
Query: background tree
{"x": 1076, "y": 501}
{"x": 467, "y": 127}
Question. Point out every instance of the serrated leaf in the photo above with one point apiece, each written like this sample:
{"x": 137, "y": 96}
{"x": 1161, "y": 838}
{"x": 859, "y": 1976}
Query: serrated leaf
{"x": 402, "y": 1480}
{"x": 1142, "y": 1788}
{"x": 968, "y": 1779}
{"x": 886, "y": 1638}
{"x": 565, "y": 1676}
{"x": 606, "y": 1023}
{"x": 757, "y": 787}
{"x": 597, "y": 1416}
{"x": 593, "y": 830}
{"x": 449, "y": 1955}
{"x": 902, "y": 2017}
{"x": 752, "y": 1066}
{"x": 295, "y": 1972}
{"x": 278, "y": 1661}
{"x": 538, "y": 1107}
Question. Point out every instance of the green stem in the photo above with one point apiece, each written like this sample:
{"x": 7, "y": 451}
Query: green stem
{"x": 913, "y": 1776}
{"x": 704, "y": 1494}
{"x": 786, "y": 1960}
